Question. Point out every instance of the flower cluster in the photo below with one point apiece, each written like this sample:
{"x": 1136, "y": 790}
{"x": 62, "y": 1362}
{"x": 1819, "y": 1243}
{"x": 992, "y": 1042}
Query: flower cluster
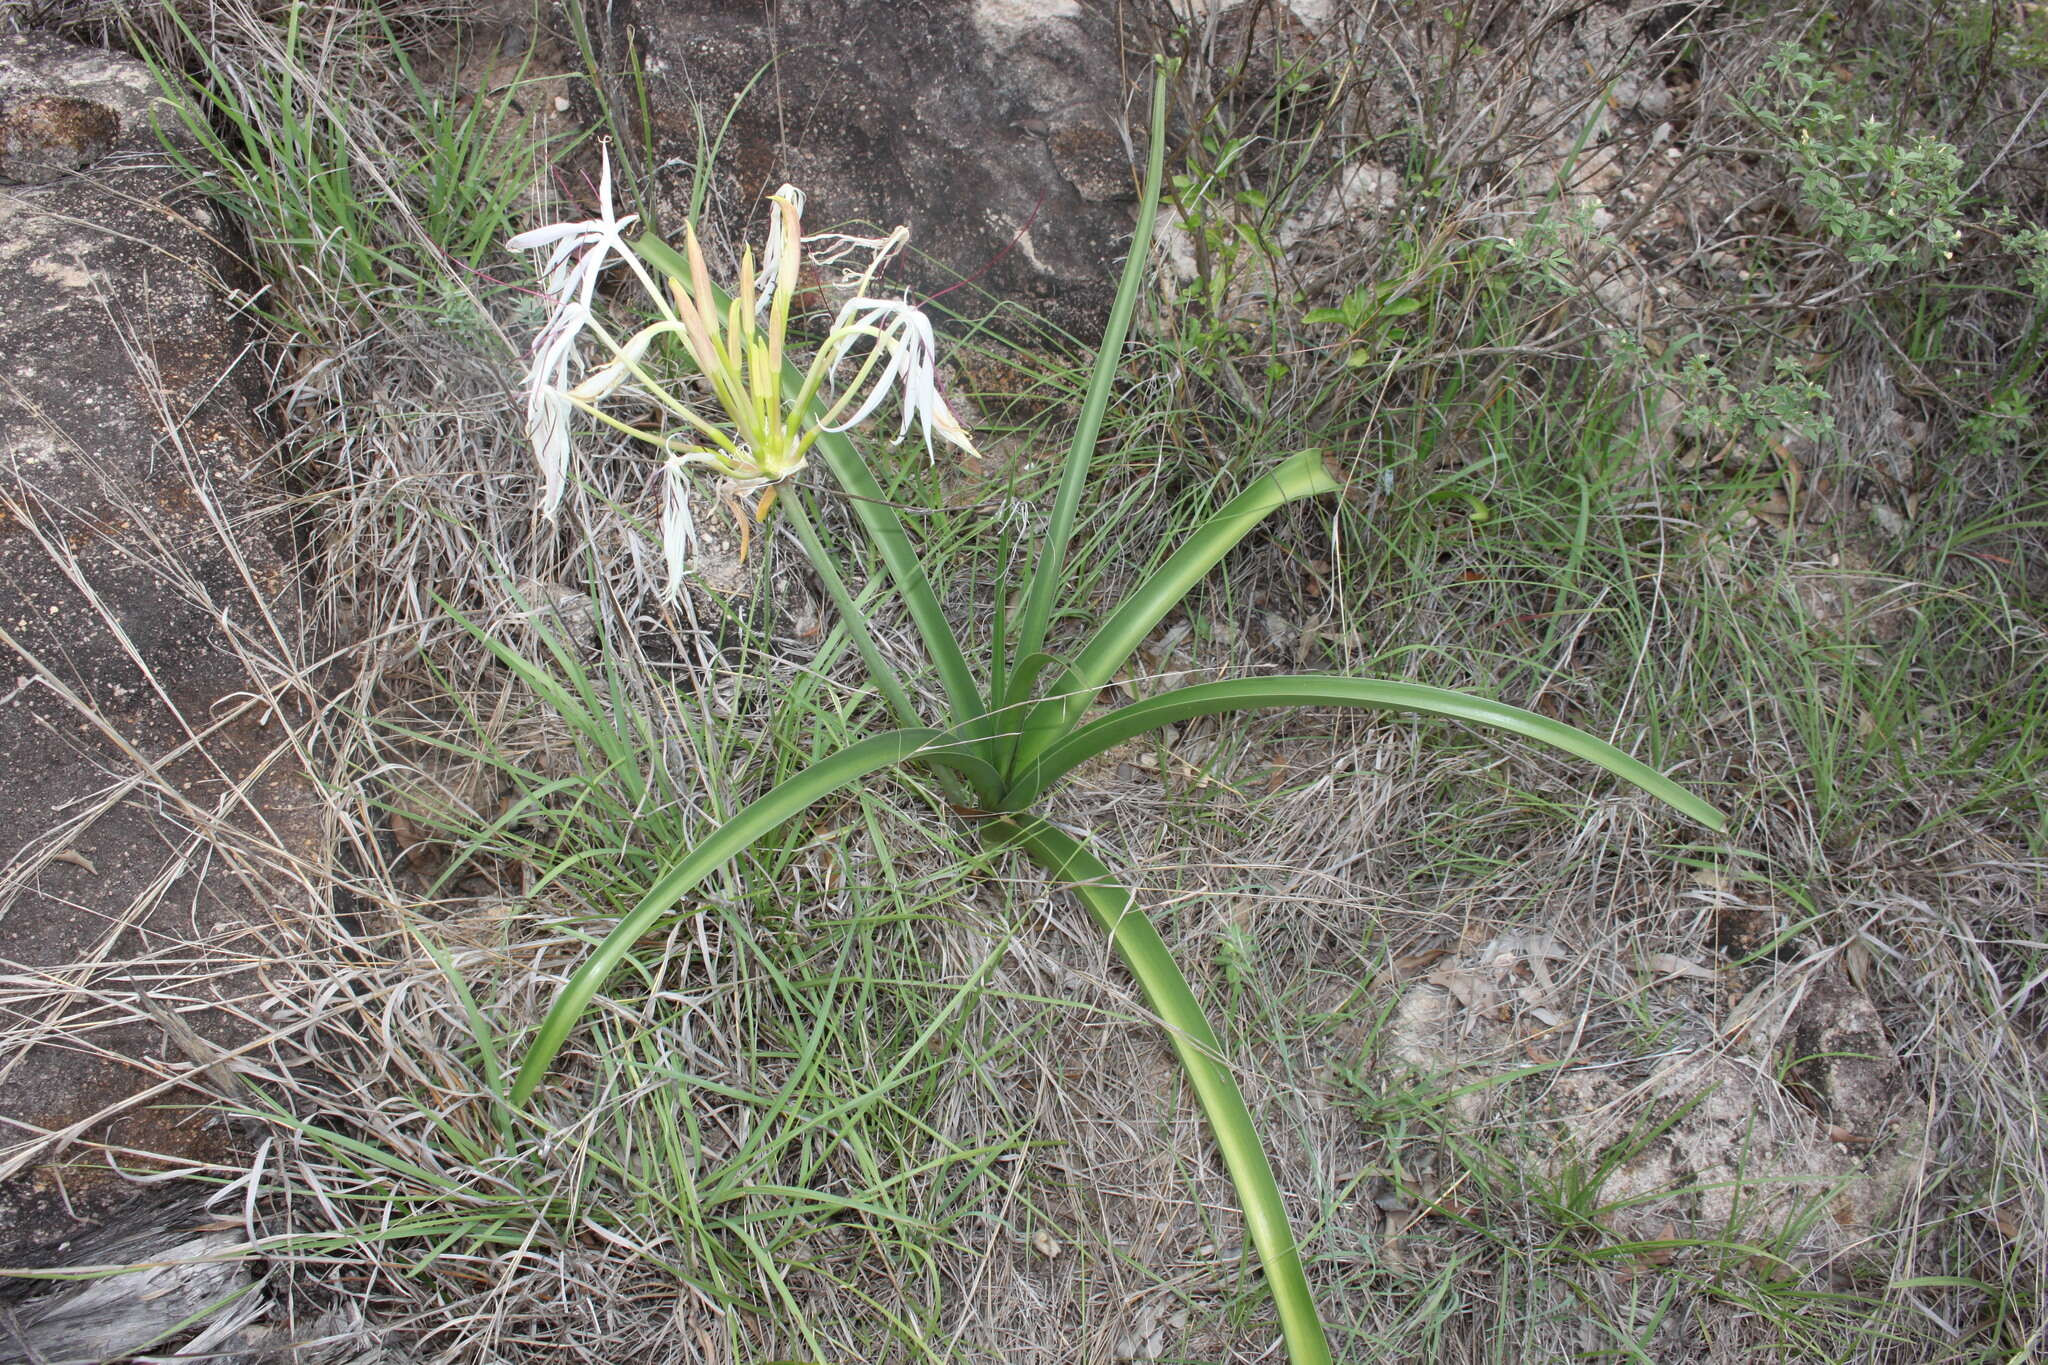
{"x": 768, "y": 413}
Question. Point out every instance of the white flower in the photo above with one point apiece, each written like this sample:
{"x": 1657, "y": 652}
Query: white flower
{"x": 570, "y": 274}
{"x": 759, "y": 422}
{"x": 581, "y": 252}
{"x": 906, "y": 335}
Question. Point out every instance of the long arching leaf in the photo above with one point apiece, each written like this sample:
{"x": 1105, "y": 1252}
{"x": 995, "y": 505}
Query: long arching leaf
{"x": 754, "y": 821}
{"x": 1166, "y": 990}
{"x": 1048, "y": 574}
{"x": 1303, "y": 475}
{"x": 1242, "y": 694}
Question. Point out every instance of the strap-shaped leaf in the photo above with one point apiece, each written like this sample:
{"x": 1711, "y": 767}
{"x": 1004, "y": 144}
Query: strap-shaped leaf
{"x": 756, "y": 820}
{"x": 877, "y": 516}
{"x": 1303, "y": 475}
{"x": 1116, "y": 910}
{"x": 1049, "y": 574}
{"x": 1008, "y": 711}
{"x": 1243, "y": 694}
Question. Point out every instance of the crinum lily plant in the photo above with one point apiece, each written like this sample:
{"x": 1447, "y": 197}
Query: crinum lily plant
{"x": 754, "y": 419}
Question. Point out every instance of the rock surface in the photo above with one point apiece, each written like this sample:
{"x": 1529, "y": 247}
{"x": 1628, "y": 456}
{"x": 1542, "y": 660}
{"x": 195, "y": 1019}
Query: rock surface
{"x": 1791, "y": 1122}
{"x": 993, "y": 129}
{"x": 151, "y": 816}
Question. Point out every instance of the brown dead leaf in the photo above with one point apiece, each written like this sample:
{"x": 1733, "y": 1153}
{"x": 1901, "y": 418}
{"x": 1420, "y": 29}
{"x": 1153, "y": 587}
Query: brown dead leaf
{"x": 1416, "y": 961}
{"x": 1663, "y": 1255}
{"x": 1533, "y": 1000}
{"x": 1856, "y": 964}
{"x": 76, "y": 859}
{"x": 1665, "y": 965}
{"x": 1468, "y": 988}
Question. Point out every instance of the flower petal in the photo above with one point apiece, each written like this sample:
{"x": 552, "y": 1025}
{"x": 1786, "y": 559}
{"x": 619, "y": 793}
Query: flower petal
{"x": 949, "y": 428}
{"x": 541, "y": 236}
{"x": 547, "y": 424}
{"x": 678, "y": 526}
{"x": 606, "y": 378}
{"x": 912, "y": 366}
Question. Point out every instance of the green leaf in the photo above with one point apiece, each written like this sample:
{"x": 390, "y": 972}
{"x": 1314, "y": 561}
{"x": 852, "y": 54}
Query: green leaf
{"x": 479, "y": 1028}
{"x": 1008, "y": 718}
{"x": 1303, "y": 475}
{"x": 1116, "y": 910}
{"x": 1047, "y": 574}
{"x": 877, "y": 516}
{"x": 754, "y": 821}
{"x": 1241, "y": 694}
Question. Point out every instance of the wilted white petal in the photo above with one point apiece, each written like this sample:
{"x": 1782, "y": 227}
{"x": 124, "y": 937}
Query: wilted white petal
{"x": 838, "y": 249}
{"x": 547, "y": 423}
{"x": 949, "y": 427}
{"x": 547, "y": 401}
{"x": 555, "y": 344}
{"x": 771, "y": 259}
{"x": 678, "y": 526}
{"x": 913, "y": 366}
{"x": 920, "y": 374}
{"x": 881, "y": 315}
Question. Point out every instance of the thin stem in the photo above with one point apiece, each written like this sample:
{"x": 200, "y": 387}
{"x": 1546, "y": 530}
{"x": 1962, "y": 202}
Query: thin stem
{"x": 659, "y": 442}
{"x": 632, "y": 260}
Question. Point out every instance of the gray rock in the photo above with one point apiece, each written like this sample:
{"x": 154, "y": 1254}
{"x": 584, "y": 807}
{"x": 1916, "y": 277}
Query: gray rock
{"x": 63, "y": 107}
{"x": 1838, "y": 1059}
{"x": 1794, "y": 1125}
{"x": 993, "y": 129}
{"x": 150, "y": 809}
